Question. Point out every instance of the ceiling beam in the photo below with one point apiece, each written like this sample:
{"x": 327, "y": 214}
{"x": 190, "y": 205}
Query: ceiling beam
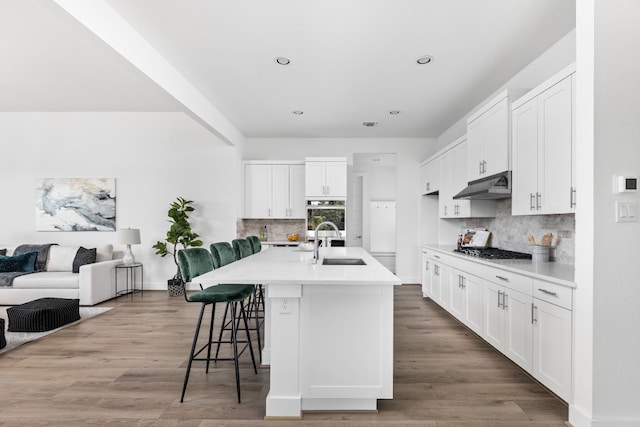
{"x": 109, "y": 26}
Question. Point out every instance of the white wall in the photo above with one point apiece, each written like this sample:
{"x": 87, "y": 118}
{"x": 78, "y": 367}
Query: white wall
{"x": 154, "y": 158}
{"x": 410, "y": 152}
{"x": 607, "y": 319}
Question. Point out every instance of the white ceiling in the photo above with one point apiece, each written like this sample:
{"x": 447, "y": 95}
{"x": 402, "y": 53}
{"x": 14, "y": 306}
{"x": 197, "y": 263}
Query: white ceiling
{"x": 351, "y": 60}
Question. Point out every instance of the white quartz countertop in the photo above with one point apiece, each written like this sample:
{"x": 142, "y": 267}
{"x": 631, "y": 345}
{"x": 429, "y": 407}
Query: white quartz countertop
{"x": 562, "y": 274}
{"x": 291, "y": 265}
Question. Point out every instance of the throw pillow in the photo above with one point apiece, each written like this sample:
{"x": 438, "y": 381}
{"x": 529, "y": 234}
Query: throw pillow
{"x": 24, "y": 263}
{"x": 83, "y": 256}
{"x": 3, "y": 251}
{"x": 104, "y": 253}
{"x": 61, "y": 258}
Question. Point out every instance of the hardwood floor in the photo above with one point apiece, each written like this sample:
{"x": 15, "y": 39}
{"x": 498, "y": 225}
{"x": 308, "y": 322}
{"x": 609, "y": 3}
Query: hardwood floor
{"x": 126, "y": 367}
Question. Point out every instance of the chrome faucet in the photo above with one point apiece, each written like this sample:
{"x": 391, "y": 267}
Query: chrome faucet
{"x": 316, "y": 245}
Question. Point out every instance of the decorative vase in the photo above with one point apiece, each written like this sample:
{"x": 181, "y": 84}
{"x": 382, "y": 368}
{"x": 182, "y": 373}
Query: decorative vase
{"x": 175, "y": 287}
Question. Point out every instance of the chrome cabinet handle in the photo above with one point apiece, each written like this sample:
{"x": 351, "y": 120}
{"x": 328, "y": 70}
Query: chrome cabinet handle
{"x": 572, "y": 197}
{"x": 484, "y": 166}
{"x": 555, "y": 294}
{"x": 504, "y": 301}
{"x": 437, "y": 256}
{"x": 445, "y": 210}
{"x": 426, "y": 266}
{"x": 533, "y": 316}
{"x": 480, "y": 167}
{"x": 499, "y": 295}
{"x": 505, "y": 279}
{"x": 538, "y": 204}
{"x": 531, "y": 202}
{"x": 428, "y": 185}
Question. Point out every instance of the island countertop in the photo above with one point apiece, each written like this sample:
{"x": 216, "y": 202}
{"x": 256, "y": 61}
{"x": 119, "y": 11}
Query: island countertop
{"x": 291, "y": 265}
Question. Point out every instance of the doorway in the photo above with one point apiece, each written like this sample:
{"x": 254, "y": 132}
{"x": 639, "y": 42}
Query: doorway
{"x": 371, "y": 207}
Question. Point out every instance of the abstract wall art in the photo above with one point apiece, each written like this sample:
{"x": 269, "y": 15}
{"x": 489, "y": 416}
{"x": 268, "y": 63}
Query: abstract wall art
{"x": 76, "y": 204}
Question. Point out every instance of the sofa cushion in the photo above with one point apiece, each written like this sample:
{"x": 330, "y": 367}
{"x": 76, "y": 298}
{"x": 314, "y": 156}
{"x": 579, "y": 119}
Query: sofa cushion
{"x": 24, "y": 263}
{"x": 61, "y": 258}
{"x": 104, "y": 253}
{"x": 47, "y": 280}
{"x": 83, "y": 256}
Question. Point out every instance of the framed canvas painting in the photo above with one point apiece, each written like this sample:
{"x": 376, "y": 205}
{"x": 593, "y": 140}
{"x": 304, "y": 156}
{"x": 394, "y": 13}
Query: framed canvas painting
{"x": 76, "y": 204}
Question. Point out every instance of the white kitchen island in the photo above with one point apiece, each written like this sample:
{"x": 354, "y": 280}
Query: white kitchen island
{"x": 328, "y": 328}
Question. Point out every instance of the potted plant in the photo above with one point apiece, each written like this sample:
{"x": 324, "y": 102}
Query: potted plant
{"x": 179, "y": 234}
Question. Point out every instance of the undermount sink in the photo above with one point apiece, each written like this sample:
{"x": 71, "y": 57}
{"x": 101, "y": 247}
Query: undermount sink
{"x": 343, "y": 261}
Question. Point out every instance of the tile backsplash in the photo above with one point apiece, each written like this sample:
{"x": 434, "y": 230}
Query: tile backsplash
{"x": 510, "y": 232}
{"x": 277, "y": 228}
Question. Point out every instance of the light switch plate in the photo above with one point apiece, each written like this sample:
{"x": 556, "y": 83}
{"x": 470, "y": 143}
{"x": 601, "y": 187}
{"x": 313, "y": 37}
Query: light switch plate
{"x": 626, "y": 211}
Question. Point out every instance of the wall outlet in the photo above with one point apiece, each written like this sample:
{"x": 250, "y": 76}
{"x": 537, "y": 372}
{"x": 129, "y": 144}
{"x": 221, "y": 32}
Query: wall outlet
{"x": 285, "y": 306}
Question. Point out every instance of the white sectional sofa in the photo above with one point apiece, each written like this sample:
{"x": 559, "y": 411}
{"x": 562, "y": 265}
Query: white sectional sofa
{"x": 93, "y": 283}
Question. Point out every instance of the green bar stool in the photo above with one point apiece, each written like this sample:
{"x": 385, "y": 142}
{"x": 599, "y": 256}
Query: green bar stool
{"x": 258, "y": 298}
{"x": 196, "y": 261}
{"x": 223, "y": 253}
{"x": 256, "y": 246}
{"x": 242, "y": 247}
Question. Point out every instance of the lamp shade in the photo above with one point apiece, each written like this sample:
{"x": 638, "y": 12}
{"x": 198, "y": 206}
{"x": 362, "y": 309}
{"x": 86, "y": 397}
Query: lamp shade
{"x": 129, "y": 236}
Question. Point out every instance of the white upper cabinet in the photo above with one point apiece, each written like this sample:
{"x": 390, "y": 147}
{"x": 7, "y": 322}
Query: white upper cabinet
{"x": 430, "y": 177}
{"x": 453, "y": 179}
{"x": 326, "y": 178}
{"x": 273, "y": 190}
{"x": 544, "y": 148}
{"x": 488, "y": 138}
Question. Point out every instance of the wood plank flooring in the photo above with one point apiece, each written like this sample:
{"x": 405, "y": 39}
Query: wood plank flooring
{"x": 126, "y": 367}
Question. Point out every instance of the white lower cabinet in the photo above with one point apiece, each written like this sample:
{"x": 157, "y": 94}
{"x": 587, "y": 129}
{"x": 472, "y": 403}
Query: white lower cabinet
{"x": 528, "y": 319}
{"x": 426, "y": 275}
{"x": 466, "y": 300}
{"x": 552, "y": 338}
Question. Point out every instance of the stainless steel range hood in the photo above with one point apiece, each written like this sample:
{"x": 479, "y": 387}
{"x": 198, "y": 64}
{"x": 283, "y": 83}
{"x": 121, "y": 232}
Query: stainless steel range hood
{"x": 493, "y": 187}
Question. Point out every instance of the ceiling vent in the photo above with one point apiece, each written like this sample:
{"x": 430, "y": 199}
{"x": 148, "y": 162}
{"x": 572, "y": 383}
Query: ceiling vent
{"x": 369, "y": 124}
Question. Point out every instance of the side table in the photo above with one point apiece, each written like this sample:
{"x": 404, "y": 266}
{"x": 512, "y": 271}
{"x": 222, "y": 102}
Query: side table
{"x": 130, "y": 271}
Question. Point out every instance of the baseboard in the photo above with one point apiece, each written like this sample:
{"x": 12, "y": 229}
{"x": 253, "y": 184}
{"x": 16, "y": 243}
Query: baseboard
{"x": 577, "y": 418}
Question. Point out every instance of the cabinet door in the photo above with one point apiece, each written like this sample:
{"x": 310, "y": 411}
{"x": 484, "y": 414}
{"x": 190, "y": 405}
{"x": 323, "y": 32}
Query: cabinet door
{"x": 279, "y": 191}
{"x": 445, "y": 202}
{"x": 257, "y": 191}
{"x": 496, "y": 139}
{"x": 296, "y": 191}
{"x": 552, "y": 347}
{"x": 434, "y": 176}
{"x": 314, "y": 179}
{"x": 458, "y": 294}
{"x": 493, "y": 315}
{"x": 461, "y": 208}
{"x": 475, "y": 148}
{"x": 435, "y": 281}
{"x": 555, "y": 148}
{"x": 525, "y": 155}
{"x": 444, "y": 272}
{"x": 518, "y": 328}
{"x": 425, "y": 179}
{"x": 426, "y": 276}
{"x": 474, "y": 309}
{"x": 336, "y": 179}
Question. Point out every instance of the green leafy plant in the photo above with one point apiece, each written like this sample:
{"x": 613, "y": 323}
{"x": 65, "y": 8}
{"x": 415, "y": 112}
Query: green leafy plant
{"x": 180, "y": 232}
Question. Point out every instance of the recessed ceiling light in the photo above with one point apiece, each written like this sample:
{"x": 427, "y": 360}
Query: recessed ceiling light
{"x": 298, "y": 112}
{"x": 281, "y": 60}
{"x": 394, "y": 112}
{"x": 369, "y": 124}
{"x": 424, "y": 59}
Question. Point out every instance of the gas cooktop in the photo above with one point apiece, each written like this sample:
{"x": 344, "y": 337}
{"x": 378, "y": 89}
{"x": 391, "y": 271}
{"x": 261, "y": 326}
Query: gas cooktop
{"x": 493, "y": 253}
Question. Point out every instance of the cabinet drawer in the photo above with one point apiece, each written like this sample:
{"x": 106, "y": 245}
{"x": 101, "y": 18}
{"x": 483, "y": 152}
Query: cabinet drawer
{"x": 511, "y": 280}
{"x": 469, "y": 267}
{"x": 555, "y": 294}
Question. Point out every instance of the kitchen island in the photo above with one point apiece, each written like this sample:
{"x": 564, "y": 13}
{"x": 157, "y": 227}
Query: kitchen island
{"x": 328, "y": 328}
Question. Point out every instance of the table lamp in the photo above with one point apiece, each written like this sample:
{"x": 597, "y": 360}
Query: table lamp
{"x": 129, "y": 236}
